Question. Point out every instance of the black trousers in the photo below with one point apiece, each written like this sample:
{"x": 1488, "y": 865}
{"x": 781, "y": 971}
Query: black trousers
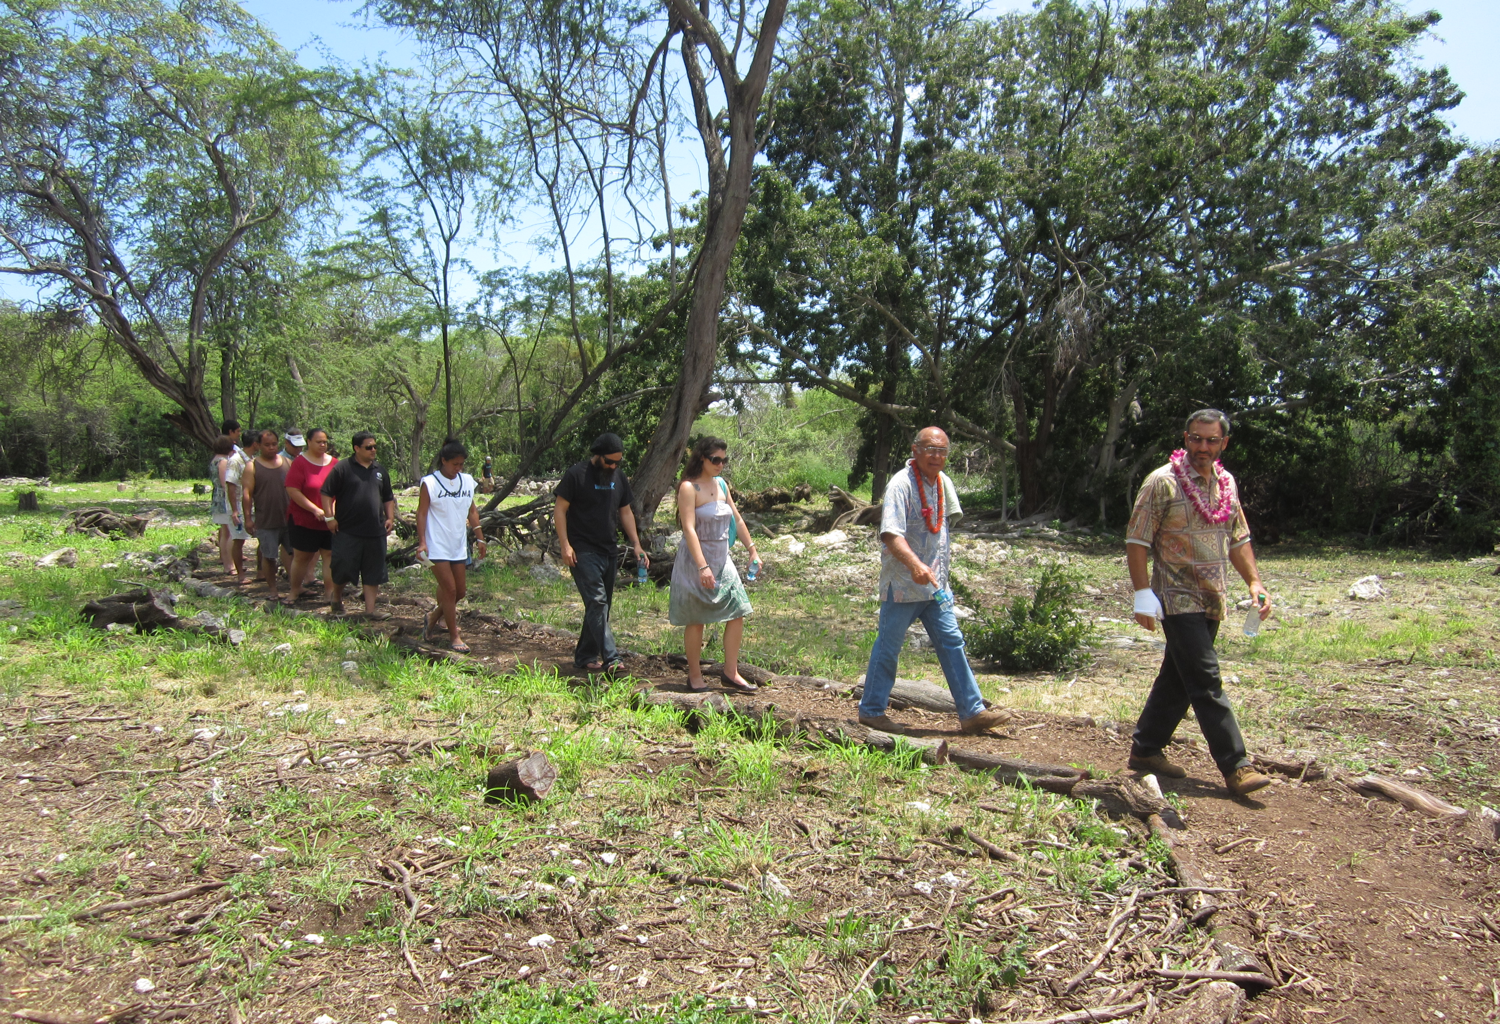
{"x": 1189, "y": 678}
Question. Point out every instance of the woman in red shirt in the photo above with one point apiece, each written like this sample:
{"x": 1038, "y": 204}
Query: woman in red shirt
{"x": 308, "y": 530}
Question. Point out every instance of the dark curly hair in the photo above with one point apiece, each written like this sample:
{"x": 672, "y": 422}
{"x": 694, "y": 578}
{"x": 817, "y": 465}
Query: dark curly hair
{"x": 705, "y": 447}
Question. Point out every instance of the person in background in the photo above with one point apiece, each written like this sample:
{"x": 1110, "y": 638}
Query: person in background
{"x": 446, "y": 515}
{"x": 233, "y": 476}
{"x": 292, "y": 443}
{"x": 218, "y": 502}
{"x": 232, "y": 431}
{"x": 487, "y": 485}
{"x": 1189, "y": 520}
{"x": 593, "y": 505}
{"x": 265, "y": 504}
{"x": 920, "y": 506}
{"x": 308, "y": 530}
{"x": 706, "y": 585}
{"x": 361, "y": 513}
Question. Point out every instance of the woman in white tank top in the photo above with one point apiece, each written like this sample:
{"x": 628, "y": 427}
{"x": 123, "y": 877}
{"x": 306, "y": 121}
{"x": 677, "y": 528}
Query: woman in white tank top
{"x": 445, "y": 511}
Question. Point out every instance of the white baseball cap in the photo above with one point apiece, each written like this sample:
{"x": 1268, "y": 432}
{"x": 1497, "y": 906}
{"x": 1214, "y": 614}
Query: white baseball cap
{"x": 296, "y": 439}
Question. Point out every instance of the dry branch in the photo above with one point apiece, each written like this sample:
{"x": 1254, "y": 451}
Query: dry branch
{"x": 1410, "y": 797}
{"x": 1245, "y": 978}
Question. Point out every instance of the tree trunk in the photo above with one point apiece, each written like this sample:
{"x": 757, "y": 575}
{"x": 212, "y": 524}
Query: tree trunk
{"x": 728, "y": 198}
{"x": 418, "y": 436}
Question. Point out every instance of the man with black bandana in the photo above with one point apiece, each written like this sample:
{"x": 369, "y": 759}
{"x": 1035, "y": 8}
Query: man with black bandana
{"x": 593, "y": 505}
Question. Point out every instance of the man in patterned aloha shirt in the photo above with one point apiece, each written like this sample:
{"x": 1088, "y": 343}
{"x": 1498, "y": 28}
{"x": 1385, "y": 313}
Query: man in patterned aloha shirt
{"x": 1189, "y": 519}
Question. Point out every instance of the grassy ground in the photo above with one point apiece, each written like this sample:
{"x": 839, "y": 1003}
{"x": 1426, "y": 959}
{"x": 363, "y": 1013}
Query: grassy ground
{"x": 294, "y": 769}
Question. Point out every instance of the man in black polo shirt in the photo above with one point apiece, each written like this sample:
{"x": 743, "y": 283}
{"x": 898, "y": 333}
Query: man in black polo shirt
{"x": 361, "y": 509}
{"x": 593, "y": 504}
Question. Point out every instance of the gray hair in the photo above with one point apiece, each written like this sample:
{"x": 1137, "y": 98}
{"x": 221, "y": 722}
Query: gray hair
{"x": 1208, "y": 416}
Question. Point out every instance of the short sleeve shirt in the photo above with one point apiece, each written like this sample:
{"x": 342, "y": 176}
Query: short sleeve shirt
{"x": 901, "y": 513}
{"x": 595, "y": 497}
{"x": 360, "y": 493}
{"x": 235, "y": 474}
{"x": 307, "y": 478}
{"x": 1190, "y": 555}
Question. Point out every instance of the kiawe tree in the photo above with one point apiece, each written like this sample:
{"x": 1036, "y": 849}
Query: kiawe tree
{"x": 587, "y": 95}
{"x": 142, "y": 142}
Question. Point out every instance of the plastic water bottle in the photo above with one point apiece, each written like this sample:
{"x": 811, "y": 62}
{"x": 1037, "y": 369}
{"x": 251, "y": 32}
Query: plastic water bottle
{"x": 640, "y": 573}
{"x": 942, "y": 597}
{"x": 1252, "y": 618}
{"x": 752, "y": 571}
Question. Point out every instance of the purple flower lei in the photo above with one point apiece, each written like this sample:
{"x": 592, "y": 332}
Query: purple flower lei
{"x": 1195, "y": 493}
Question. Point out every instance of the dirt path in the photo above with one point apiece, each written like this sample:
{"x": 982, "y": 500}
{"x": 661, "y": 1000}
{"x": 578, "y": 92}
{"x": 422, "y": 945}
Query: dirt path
{"x": 1356, "y": 902}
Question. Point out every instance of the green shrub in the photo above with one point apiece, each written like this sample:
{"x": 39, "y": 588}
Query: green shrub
{"x": 1037, "y": 632}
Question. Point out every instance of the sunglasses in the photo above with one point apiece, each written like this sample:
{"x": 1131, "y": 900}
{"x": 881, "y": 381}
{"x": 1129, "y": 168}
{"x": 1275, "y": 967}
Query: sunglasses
{"x": 610, "y": 463}
{"x": 367, "y": 447}
{"x": 719, "y": 460}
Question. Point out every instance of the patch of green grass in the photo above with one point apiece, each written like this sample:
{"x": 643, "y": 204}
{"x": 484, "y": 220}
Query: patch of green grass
{"x": 511, "y": 1002}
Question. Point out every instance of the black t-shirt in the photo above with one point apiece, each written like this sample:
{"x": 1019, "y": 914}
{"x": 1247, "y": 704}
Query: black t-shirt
{"x": 361, "y": 493}
{"x": 595, "y": 497}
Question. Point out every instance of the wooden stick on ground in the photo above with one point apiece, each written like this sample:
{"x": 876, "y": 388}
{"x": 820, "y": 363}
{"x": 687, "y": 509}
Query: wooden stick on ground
{"x": 1111, "y": 936}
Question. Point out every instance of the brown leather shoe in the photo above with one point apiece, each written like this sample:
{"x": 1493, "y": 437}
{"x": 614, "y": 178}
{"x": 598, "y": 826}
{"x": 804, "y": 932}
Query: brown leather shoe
{"x": 1245, "y": 780}
{"x": 881, "y": 722}
{"x": 1157, "y": 765}
{"x": 984, "y": 721}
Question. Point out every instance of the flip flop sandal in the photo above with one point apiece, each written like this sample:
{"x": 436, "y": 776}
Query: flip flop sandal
{"x": 428, "y": 636}
{"x": 593, "y": 666}
{"x": 459, "y": 647}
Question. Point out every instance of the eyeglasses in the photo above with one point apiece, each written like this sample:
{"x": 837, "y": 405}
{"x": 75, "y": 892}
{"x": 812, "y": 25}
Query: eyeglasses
{"x": 1212, "y": 442}
{"x": 368, "y": 447}
{"x": 611, "y": 463}
{"x": 941, "y": 453}
{"x": 719, "y": 460}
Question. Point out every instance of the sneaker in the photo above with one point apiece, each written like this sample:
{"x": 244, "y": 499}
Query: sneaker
{"x": 984, "y": 721}
{"x": 881, "y": 722}
{"x": 1245, "y": 780}
{"x": 1157, "y": 765}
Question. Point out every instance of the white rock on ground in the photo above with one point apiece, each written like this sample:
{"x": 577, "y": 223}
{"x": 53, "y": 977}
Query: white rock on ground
{"x": 66, "y": 558}
{"x": 1366, "y": 588}
{"x": 774, "y": 886}
{"x": 831, "y": 538}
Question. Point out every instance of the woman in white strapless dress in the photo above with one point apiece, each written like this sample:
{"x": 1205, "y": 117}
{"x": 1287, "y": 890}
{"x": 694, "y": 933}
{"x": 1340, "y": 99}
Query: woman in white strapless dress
{"x": 706, "y": 586}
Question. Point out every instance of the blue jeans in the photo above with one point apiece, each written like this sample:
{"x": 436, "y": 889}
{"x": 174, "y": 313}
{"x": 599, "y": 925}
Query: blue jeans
{"x": 594, "y": 575}
{"x": 896, "y": 618}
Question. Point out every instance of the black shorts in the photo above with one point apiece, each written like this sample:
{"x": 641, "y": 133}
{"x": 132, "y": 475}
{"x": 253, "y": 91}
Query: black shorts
{"x": 305, "y": 538}
{"x": 358, "y": 559}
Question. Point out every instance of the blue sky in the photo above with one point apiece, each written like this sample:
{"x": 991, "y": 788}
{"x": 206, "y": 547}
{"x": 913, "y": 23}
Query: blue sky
{"x": 1465, "y": 40}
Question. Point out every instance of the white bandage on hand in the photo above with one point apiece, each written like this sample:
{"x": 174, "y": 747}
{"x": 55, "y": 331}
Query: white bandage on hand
{"x": 1147, "y": 603}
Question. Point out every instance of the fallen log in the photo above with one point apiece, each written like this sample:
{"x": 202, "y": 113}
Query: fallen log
{"x": 800, "y": 682}
{"x": 1410, "y": 797}
{"x": 526, "y": 778}
{"x": 1185, "y": 867}
{"x": 1054, "y": 778}
{"x": 916, "y": 693}
{"x": 1125, "y": 796}
{"x": 1218, "y": 1002}
{"x": 696, "y": 707}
